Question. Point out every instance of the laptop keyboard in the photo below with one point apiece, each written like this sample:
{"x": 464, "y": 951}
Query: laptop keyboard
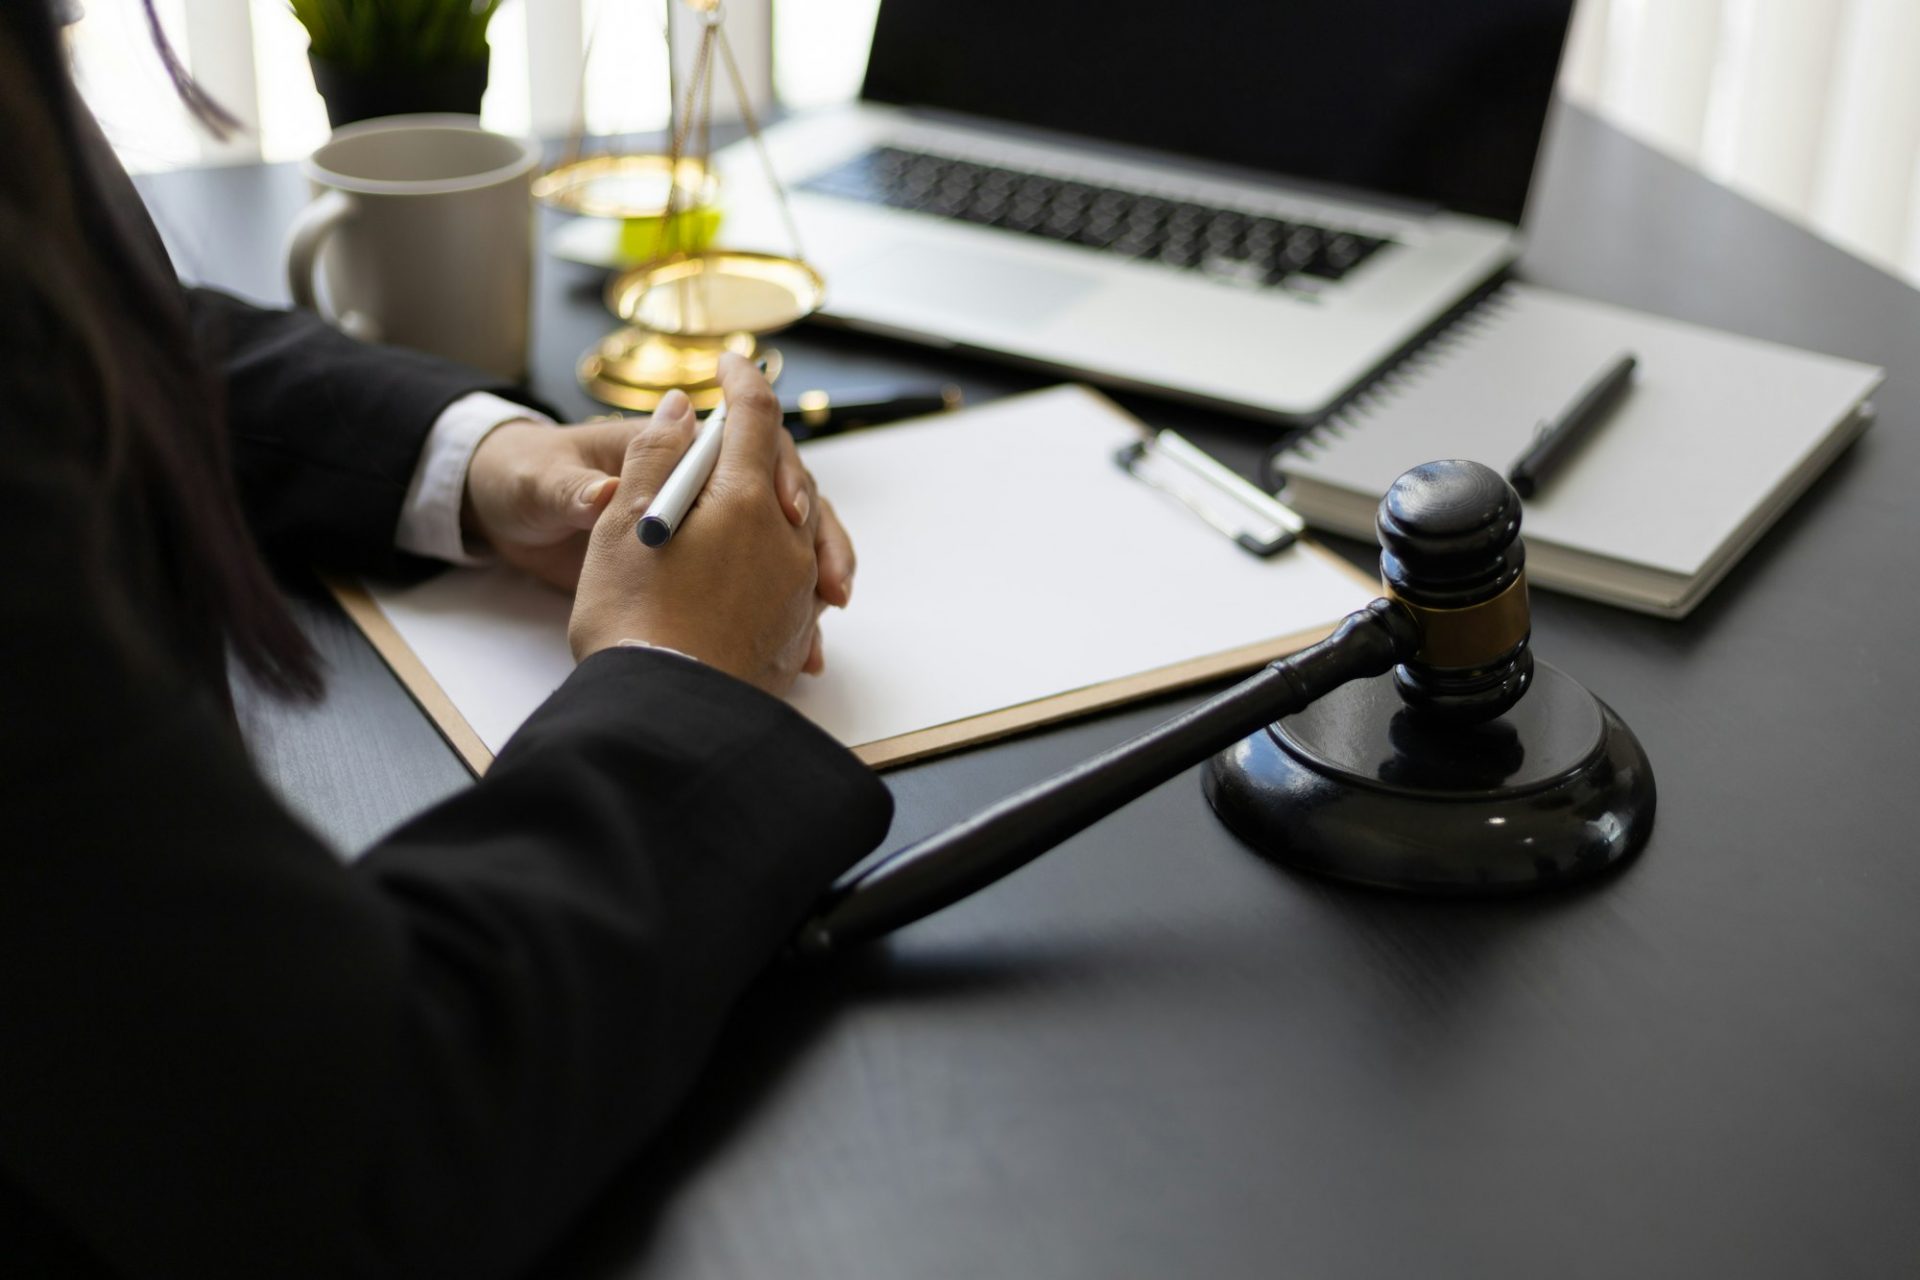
{"x": 1231, "y": 244}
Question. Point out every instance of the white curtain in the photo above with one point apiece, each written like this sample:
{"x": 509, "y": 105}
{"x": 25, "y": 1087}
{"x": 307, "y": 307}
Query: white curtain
{"x": 251, "y": 55}
{"x": 1811, "y": 107}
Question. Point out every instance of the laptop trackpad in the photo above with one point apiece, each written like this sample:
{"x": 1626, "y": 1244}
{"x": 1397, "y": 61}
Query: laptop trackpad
{"x": 957, "y": 282}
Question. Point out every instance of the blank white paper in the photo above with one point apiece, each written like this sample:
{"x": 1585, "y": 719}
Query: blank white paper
{"x": 1004, "y": 557}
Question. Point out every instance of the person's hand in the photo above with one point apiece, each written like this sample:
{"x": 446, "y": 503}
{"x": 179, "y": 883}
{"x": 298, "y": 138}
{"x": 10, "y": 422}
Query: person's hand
{"x": 535, "y": 491}
{"x": 743, "y": 582}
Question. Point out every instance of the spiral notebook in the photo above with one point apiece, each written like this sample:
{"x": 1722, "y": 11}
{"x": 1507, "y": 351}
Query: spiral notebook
{"x": 1716, "y": 437}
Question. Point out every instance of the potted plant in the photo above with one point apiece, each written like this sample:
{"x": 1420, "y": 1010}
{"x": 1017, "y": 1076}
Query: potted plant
{"x": 394, "y": 57}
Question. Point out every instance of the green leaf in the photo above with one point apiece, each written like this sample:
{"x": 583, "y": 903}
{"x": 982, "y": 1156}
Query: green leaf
{"x": 385, "y": 34}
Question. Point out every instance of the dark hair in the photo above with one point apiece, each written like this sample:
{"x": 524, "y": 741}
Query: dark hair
{"x": 138, "y": 378}
{"x": 213, "y": 117}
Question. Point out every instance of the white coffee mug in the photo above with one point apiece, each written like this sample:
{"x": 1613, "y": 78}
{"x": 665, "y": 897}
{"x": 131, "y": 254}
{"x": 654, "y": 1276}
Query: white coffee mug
{"x": 427, "y": 227}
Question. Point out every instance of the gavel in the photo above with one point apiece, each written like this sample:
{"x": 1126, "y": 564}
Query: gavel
{"x": 1419, "y": 747}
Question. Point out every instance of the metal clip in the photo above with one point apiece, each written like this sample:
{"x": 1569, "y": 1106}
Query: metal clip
{"x": 1255, "y": 519}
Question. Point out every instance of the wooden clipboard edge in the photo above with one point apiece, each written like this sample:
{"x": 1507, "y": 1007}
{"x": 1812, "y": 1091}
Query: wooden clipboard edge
{"x": 923, "y": 744}
{"x": 365, "y": 612}
{"x": 887, "y": 753}
{"x": 907, "y": 748}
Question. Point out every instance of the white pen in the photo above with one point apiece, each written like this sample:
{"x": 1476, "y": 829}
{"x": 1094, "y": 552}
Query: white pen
{"x": 689, "y": 477}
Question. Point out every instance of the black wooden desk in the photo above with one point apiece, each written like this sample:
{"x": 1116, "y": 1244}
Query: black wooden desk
{"x": 1151, "y": 1054}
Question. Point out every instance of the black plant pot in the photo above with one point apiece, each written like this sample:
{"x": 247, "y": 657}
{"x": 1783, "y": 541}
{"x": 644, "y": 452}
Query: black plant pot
{"x": 353, "y": 94}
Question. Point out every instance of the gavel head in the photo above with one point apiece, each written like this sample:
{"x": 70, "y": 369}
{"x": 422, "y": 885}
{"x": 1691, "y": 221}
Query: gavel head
{"x": 1471, "y": 772}
{"x": 1451, "y": 555}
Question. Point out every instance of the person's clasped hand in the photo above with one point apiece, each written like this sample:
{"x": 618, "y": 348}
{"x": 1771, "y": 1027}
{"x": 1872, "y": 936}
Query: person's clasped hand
{"x": 743, "y": 582}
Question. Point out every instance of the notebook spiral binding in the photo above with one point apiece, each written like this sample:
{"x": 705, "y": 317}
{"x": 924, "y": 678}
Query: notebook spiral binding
{"x": 1400, "y": 377}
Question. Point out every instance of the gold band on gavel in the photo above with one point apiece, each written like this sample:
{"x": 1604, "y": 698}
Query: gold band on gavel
{"x": 1473, "y": 636}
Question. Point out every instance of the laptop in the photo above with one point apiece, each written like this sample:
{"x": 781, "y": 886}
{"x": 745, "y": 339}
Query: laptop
{"x": 1249, "y": 205}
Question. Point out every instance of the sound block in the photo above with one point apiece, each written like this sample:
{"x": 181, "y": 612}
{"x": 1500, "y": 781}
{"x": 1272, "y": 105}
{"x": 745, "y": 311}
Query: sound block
{"x": 1361, "y": 788}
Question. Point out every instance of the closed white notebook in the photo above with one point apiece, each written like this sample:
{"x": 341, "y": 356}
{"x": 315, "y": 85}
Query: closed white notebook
{"x": 1010, "y": 574}
{"x": 1716, "y": 436}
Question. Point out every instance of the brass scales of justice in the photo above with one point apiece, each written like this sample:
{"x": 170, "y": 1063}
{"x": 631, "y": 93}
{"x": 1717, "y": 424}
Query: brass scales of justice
{"x": 687, "y": 302}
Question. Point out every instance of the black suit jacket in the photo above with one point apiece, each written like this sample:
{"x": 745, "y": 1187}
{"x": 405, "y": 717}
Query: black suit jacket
{"x": 224, "y": 1053}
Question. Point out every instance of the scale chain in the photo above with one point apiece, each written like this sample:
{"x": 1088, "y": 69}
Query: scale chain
{"x": 759, "y": 143}
{"x": 677, "y": 145}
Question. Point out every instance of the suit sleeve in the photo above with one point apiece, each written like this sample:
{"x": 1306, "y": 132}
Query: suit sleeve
{"x": 227, "y": 1053}
{"x": 326, "y": 430}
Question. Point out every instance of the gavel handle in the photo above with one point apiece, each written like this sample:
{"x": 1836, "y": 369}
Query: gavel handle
{"x": 949, "y": 865}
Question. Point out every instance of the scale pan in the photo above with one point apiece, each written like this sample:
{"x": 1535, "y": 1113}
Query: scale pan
{"x": 716, "y": 293}
{"x": 625, "y": 186}
{"x": 632, "y": 369}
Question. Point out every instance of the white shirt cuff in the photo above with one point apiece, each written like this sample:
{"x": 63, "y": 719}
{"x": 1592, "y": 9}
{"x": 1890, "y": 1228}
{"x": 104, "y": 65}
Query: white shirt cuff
{"x": 430, "y": 516}
{"x": 631, "y": 643}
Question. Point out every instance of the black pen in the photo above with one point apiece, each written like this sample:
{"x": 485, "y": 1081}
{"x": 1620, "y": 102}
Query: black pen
{"x": 1555, "y": 440}
{"x": 822, "y": 413}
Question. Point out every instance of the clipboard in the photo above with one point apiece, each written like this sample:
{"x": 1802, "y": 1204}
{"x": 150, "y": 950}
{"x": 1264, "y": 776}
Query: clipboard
{"x": 1117, "y": 593}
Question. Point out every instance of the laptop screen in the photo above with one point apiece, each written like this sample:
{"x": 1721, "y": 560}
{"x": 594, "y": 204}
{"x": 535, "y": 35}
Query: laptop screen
{"x": 1437, "y": 102}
